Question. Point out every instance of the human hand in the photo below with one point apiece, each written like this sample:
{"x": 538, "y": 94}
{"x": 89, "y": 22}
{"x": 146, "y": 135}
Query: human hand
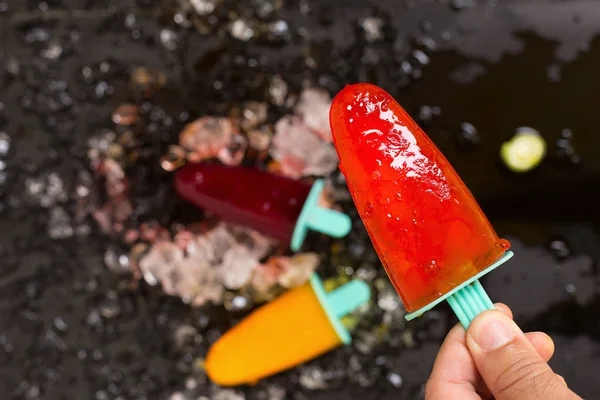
{"x": 494, "y": 359}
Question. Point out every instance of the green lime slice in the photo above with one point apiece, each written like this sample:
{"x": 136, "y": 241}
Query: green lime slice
{"x": 524, "y": 151}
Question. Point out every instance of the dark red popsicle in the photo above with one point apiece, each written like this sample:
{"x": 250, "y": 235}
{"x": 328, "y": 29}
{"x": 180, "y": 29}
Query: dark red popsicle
{"x": 272, "y": 204}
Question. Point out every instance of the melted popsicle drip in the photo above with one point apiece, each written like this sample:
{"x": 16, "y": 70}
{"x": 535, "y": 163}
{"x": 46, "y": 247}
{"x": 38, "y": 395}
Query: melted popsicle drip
{"x": 427, "y": 228}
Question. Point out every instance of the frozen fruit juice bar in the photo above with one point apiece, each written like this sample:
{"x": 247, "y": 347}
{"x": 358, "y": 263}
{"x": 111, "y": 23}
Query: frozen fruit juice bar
{"x": 272, "y": 204}
{"x": 301, "y": 324}
{"x": 427, "y": 228}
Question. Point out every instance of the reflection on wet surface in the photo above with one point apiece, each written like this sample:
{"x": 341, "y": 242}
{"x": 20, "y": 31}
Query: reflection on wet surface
{"x": 71, "y": 327}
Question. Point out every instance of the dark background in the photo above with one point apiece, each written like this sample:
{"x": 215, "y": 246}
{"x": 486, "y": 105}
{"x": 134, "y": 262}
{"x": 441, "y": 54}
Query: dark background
{"x": 518, "y": 63}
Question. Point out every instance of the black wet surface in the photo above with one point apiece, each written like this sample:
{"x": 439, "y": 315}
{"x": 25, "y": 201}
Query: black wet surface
{"x": 71, "y": 329}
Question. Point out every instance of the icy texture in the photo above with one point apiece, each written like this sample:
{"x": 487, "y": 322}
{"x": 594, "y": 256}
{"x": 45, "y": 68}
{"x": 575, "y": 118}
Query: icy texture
{"x": 313, "y": 107}
{"x": 300, "y": 151}
{"x": 237, "y": 267}
{"x": 213, "y": 137}
{"x": 200, "y": 266}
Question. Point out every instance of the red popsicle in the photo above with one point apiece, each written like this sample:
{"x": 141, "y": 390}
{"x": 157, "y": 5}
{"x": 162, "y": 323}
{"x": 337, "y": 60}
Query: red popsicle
{"x": 272, "y": 204}
{"x": 427, "y": 228}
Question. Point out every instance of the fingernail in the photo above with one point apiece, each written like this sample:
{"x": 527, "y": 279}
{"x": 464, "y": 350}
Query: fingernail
{"x": 492, "y": 330}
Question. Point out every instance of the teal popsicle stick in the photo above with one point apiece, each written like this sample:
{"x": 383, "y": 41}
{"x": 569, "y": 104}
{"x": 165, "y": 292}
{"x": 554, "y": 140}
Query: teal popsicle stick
{"x": 329, "y": 222}
{"x": 340, "y": 302}
{"x": 347, "y": 298}
{"x": 317, "y": 218}
{"x": 467, "y": 300}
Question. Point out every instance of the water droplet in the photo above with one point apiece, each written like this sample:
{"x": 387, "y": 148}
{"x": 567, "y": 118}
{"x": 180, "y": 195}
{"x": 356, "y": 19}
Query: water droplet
{"x": 59, "y": 224}
{"x": 503, "y": 244}
{"x": 368, "y": 209}
{"x": 169, "y": 39}
{"x": 560, "y": 249}
{"x": 425, "y": 113}
{"x": 554, "y": 72}
{"x": 236, "y": 302}
{"x": 431, "y": 268}
{"x": 564, "y": 149}
{"x": 468, "y": 136}
{"x": 241, "y": 30}
{"x": 406, "y": 67}
{"x": 279, "y": 28}
{"x": 426, "y": 25}
{"x": 566, "y": 133}
{"x": 52, "y": 52}
{"x": 110, "y": 307}
{"x": 81, "y": 354}
{"x": 60, "y": 324}
{"x": 421, "y": 57}
{"x": 570, "y": 288}
{"x": 93, "y": 318}
{"x": 427, "y": 42}
{"x": 372, "y": 27}
{"x": 395, "y": 379}
{"x": 575, "y": 159}
{"x": 203, "y": 7}
{"x": 460, "y": 4}
{"x": 4, "y": 144}
{"x": 398, "y": 196}
{"x": 33, "y": 392}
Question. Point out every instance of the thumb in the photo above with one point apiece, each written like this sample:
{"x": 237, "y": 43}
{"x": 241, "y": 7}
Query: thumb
{"x": 508, "y": 363}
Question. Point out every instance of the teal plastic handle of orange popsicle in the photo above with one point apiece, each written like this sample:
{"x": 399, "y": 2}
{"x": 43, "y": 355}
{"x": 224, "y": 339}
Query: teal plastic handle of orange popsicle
{"x": 467, "y": 300}
{"x": 340, "y": 302}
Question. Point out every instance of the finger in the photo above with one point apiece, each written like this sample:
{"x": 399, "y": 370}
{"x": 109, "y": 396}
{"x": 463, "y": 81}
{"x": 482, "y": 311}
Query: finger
{"x": 509, "y": 364}
{"x": 505, "y": 309}
{"x": 539, "y": 340}
{"x": 542, "y": 343}
{"x": 562, "y": 379}
{"x": 454, "y": 375}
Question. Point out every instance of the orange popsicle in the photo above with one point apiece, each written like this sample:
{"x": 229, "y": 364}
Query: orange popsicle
{"x": 300, "y": 325}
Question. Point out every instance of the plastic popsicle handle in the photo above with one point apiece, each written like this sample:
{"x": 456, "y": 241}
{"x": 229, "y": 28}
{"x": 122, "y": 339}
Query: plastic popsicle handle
{"x": 341, "y": 302}
{"x": 345, "y": 299}
{"x": 467, "y": 300}
{"x": 320, "y": 219}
